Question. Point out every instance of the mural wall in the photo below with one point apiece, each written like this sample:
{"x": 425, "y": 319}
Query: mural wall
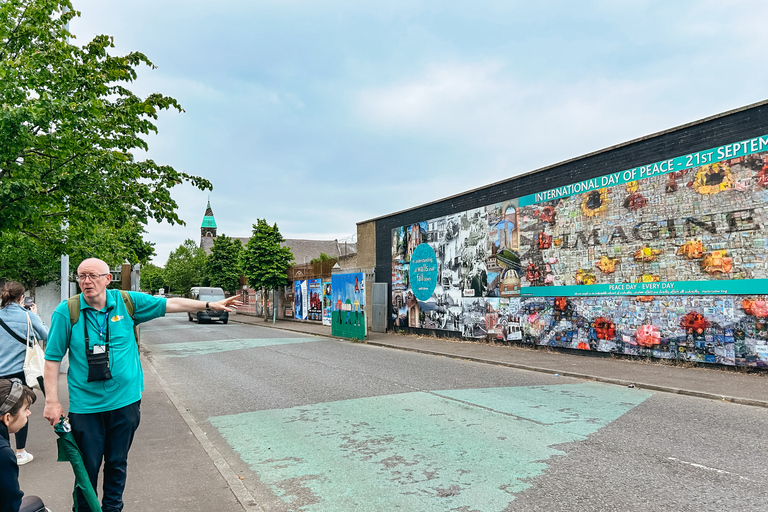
{"x": 666, "y": 259}
{"x": 348, "y": 314}
{"x": 315, "y": 300}
{"x": 327, "y": 306}
{"x": 300, "y": 300}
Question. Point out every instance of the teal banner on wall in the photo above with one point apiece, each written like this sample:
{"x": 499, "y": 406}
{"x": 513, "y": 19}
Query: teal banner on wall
{"x": 731, "y": 287}
{"x": 709, "y": 156}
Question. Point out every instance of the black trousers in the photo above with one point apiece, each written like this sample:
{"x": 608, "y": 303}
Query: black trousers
{"x": 107, "y": 437}
{"x": 31, "y": 504}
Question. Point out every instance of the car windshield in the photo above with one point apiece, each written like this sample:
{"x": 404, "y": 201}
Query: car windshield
{"x": 210, "y": 298}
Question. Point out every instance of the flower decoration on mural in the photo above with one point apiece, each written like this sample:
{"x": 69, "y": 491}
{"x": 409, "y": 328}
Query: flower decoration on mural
{"x": 585, "y": 276}
{"x": 716, "y": 262}
{"x": 533, "y": 274}
{"x": 758, "y": 308}
{"x": 607, "y": 265}
{"x": 644, "y": 298}
{"x": 762, "y": 176}
{"x": 549, "y": 264}
{"x": 549, "y": 278}
{"x": 712, "y": 179}
{"x": 648, "y": 335}
{"x": 635, "y": 201}
{"x": 561, "y": 304}
{"x": 558, "y": 242}
{"x": 671, "y": 186}
{"x": 694, "y": 323}
{"x": 648, "y": 278}
{"x": 595, "y": 202}
{"x": 545, "y": 241}
{"x": 604, "y": 329}
{"x": 692, "y": 249}
{"x": 632, "y": 186}
{"x": 646, "y": 254}
{"x": 546, "y": 215}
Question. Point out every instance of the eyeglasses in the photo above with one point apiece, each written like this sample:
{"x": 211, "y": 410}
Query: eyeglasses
{"x": 92, "y": 277}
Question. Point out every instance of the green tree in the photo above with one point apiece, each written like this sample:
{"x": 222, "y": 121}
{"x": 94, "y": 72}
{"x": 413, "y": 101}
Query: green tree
{"x": 223, "y": 265}
{"x": 185, "y": 268}
{"x": 265, "y": 261}
{"x": 69, "y": 129}
{"x": 25, "y": 259}
{"x": 152, "y": 278}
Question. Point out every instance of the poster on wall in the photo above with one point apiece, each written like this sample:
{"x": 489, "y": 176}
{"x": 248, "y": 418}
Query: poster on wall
{"x": 662, "y": 260}
{"x": 300, "y": 300}
{"x": 348, "y": 314}
{"x": 315, "y": 311}
{"x": 327, "y": 298}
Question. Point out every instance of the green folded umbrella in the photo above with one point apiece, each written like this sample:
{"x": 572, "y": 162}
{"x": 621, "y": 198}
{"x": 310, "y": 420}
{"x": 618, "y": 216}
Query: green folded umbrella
{"x": 68, "y": 451}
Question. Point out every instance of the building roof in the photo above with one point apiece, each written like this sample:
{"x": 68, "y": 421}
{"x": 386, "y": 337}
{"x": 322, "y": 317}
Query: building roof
{"x": 303, "y": 250}
{"x": 306, "y": 250}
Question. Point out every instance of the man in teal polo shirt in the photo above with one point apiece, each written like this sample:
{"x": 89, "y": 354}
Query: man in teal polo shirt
{"x": 105, "y": 379}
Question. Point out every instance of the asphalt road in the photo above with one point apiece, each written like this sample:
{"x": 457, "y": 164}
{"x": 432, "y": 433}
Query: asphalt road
{"x": 314, "y": 424}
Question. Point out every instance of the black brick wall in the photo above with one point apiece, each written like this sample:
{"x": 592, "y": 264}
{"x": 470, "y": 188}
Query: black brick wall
{"x": 731, "y": 127}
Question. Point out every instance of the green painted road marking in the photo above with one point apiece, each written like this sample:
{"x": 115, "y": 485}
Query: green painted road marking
{"x": 574, "y": 408}
{"x": 168, "y": 327}
{"x": 199, "y": 348}
{"x": 419, "y": 451}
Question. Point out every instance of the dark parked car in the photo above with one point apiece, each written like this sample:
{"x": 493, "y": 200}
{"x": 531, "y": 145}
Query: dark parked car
{"x": 208, "y": 295}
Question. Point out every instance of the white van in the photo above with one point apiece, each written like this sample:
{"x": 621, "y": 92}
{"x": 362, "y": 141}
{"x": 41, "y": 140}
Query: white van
{"x": 208, "y": 295}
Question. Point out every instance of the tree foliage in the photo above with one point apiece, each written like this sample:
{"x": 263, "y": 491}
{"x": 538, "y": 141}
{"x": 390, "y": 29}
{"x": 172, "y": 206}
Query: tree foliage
{"x": 152, "y": 278}
{"x": 185, "y": 268}
{"x": 223, "y": 265}
{"x": 25, "y": 259}
{"x": 69, "y": 131}
{"x": 265, "y": 261}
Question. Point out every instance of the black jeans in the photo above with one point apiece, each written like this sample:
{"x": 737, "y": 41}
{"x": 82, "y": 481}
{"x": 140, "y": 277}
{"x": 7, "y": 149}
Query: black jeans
{"x": 31, "y": 504}
{"x": 107, "y": 437}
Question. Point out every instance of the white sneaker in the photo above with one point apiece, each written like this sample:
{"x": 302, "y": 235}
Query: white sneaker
{"x": 23, "y": 457}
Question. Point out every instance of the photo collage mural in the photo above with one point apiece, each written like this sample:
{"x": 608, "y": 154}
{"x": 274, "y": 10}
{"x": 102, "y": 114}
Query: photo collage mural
{"x": 665, "y": 260}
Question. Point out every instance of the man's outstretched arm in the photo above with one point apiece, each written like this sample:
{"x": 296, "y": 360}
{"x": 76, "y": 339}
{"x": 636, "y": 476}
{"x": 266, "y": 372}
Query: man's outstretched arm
{"x": 182, "y": 305}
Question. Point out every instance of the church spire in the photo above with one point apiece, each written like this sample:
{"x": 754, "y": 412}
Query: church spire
{"x": 208, "y": 228}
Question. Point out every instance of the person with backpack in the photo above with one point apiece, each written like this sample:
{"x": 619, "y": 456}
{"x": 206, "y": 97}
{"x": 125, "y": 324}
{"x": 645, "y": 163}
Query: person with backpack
{"x": 105, "y": 378}
{"x": 13, "y": 347}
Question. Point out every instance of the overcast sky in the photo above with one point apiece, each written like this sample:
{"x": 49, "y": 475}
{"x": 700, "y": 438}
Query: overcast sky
{"x": 320, "y": 114}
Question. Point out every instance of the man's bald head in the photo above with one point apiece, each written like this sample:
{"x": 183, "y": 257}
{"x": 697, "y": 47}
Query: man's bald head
{"x": 94, "y": 263}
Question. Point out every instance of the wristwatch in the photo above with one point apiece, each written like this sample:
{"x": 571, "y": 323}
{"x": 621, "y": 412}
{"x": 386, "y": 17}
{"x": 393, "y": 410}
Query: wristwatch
{"x": 206, "y": 305}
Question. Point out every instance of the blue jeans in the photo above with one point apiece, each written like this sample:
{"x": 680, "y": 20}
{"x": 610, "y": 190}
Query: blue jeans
{"x": 107, "y": 437}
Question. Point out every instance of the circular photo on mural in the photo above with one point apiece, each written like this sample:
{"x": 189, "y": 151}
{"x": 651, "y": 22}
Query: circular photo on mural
{"x": 423, "y": 272}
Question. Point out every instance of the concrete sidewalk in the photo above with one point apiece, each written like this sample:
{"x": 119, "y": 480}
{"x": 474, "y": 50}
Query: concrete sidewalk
{"x": 729, "y": 384}
{"x": 170, "y": 466}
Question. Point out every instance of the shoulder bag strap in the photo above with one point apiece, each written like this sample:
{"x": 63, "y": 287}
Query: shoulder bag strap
{"x": 31, "y": 335}
{"x": 15, "y": 335}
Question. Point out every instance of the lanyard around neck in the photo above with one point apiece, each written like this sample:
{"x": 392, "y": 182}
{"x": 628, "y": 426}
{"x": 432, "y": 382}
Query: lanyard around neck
{"x": 102, "y": 328}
